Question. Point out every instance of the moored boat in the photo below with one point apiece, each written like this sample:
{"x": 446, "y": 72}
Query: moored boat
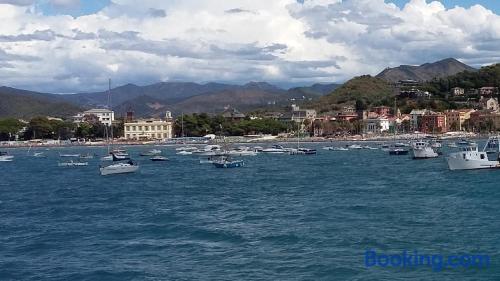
{"x": 226, "y": 162}
{"x": 159, "y": 158}
{"x": 4, "y": 157}
{"x": 423, "y": 150}
{"x": 72, "y": 163}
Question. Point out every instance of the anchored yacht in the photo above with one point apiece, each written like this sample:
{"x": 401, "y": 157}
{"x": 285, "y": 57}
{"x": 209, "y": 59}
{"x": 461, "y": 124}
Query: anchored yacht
{"x": 470, "y": 158}
{"x": 423, "y": 150}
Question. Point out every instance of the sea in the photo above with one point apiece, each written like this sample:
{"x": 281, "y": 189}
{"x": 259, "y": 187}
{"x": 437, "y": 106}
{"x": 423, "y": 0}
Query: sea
{"x": 279, "y": 217}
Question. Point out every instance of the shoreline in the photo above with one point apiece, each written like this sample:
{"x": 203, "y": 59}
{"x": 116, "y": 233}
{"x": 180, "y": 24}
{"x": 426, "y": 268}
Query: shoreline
{"x": 233, "y": 140}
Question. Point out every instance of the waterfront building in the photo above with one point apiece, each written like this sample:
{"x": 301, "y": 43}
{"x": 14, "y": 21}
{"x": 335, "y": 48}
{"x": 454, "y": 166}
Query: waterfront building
{"x": 150, "y": 129}
{"x": 415, "y": 116}
{"x": 382, "y": 110}
{"x": 455, "y": 119}
{"x": 433, "y": 122}
{"x": 488, "y": 91}
{"x": 377, "y": 125}
{"x": 104, "y": 116}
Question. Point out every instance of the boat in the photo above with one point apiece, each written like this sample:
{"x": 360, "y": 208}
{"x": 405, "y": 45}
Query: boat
{"x": 152, "y": 152}
{"x": 186, "y": 148}
{"x": 355, "y": 146}
{"x": 398, "y": 151}
{"x": 470, "y": 158}
{"x": 184, "y": 152}
{"x": 72, "y": 163}
{"x": 423, "y": 150}
{"x": 158, "y": 158}
{"x": 69, "y": 155}
{"x": 242, "y": 151}
{"x": 275, "y": 149}
{"x": 492, "y": 146}
{"x": 4, "y": 157}
{"x": 87, "y": 156}
{"x": 302, "y": 151}
{"x": 35, "y": 154}
{"x": 226, "y": 162}
{"x": 452, "y": 145}
{"x": 209, "y": 150}
{"x": 119, "y": 168}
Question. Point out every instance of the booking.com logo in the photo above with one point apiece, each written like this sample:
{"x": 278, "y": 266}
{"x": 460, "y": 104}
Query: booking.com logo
{"x": 413, "y": 259}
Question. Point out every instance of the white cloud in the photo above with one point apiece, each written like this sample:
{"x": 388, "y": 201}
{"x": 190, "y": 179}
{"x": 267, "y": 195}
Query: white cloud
{"x": 280, "y": 41}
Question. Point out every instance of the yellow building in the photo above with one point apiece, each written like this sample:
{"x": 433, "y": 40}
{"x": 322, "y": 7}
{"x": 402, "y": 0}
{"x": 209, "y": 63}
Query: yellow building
{"x": 150, "y": 129}
{"x": 455, "y": 118}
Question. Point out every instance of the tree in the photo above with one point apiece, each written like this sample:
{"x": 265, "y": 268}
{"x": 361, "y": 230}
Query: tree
{"x": 9, "y": 127}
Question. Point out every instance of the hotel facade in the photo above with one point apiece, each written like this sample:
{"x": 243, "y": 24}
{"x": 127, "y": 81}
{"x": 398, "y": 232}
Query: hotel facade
{"x": 149, "y": 129}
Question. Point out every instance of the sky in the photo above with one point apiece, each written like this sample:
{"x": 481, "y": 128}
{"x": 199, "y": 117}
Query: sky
{"x": 67, "y": 46}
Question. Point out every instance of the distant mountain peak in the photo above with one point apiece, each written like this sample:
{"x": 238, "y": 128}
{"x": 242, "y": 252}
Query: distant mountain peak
{"x": 425, "y": 72}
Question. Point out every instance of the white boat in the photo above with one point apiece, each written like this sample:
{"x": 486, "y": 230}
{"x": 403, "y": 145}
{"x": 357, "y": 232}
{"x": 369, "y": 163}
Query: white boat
{"x": 159, "y": 158}
{"x": 470, "y": 159}
{"x": 107, "y": 158}
{"x": 209, "y": 150}
{"x": 119, "y": 168}
{"x": 73, "y": 164}
{"x": 355, "y": 146}
{"x": 87, "y": 156}
{"x": 4, "y": 157}
{"x": 452, "y": 145}
{"x": 184, "y": 152}
{"x": 242, "y": 151}
{"x": 69, "y": 155}
{"x": 152, "y": 152}
{"x": 186, "y": 148}
{"x": 275, "y": 149}
{"x": 423, "y": 150}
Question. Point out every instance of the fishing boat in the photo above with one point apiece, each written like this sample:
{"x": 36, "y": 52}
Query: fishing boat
{"x": 226, "y": 162}
{"x": 423, "y": 150}
{"x": 158, "y": 158}
{"x": 72, "y": 163}
{"x": 471, "y": 159}
{"x": 152, "y": 152}
{"x": 5, "y": 157}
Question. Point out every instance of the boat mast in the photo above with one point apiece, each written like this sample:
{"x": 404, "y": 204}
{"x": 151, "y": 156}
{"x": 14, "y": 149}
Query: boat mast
{"x": 109, "y": 107}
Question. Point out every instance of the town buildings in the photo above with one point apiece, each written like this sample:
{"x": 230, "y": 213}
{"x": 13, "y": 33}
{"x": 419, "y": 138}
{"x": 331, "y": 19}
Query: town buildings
{"x": 104, "y": 116}
{"x": 150, "y": 129}
{"x": 455, "y": 119}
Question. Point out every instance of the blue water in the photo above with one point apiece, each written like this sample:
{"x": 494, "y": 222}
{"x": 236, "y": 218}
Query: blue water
{"x": 278, "y": 218}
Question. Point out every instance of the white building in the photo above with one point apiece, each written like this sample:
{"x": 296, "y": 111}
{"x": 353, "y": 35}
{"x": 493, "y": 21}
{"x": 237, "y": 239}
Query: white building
{"x": 105, "y": 116}
{"x": 377, "y": 125}
{"x": 150, "y": 129}
{"x": 457, "y": 91}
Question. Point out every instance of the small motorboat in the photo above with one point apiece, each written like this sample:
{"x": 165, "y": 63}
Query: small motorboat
{"x": 119, "y": 168}
{"x": 303, "y": 151}
{"x": 72, "y": 164}
{"x": 355, "y": 146}
{"x": 4, "y": 157}
{"x": 184, "y": 152}
{"x": 87, "y": 156}
{"x": 275, "y": 149}
{"x": 69, "y": 155}
{"x": 158, "y": 158}
{"x": 152, "y": 152}
{"x": 423, "y": 150}
{"x": 398, "y": 151}
{"x": 226, "y": 162}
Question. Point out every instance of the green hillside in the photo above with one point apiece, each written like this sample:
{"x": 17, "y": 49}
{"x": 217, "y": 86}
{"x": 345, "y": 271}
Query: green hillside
{"x": 366, "y": 90}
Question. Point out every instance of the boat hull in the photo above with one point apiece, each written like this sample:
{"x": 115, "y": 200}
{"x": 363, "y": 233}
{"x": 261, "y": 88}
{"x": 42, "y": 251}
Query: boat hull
{"x": 118, "y": 169}
{"x": 424, "y": 153}
{"x": 455, "y": 163}
{"x": 233, "y": 164}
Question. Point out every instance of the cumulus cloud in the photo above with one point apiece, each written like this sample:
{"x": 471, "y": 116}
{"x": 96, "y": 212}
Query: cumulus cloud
{"x": 282, "y": 41}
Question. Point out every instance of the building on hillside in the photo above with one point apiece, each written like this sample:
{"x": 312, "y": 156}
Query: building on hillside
{"x": 457, "y": 91}
{"x": 485, "y": 118}
{"x": 455, "y": 119}
{"x": 104, "y": 116}
{"x": 299, "y": 115}
{"x": 233, "y": 114}
{"x": 382, "y": 110}
{"x": 150, "y": 129}
{"x": 492, "y": 104}
{"x": 488, "y": 91}
{"x": 376, "y": 125}
{"x": 433, "y": 122}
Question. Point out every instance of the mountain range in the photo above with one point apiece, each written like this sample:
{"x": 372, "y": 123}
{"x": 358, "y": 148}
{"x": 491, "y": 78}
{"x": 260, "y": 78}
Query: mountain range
{"x": 425, "y": 72}
{"x": 188, "y": 97}
{"x": 155, "y": 99}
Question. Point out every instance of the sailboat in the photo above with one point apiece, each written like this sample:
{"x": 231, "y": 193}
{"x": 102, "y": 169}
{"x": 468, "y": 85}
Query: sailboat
{"x": 119, "y": 167}
{"x": 35, "y": 154}
{"x": 299, "y": 150}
